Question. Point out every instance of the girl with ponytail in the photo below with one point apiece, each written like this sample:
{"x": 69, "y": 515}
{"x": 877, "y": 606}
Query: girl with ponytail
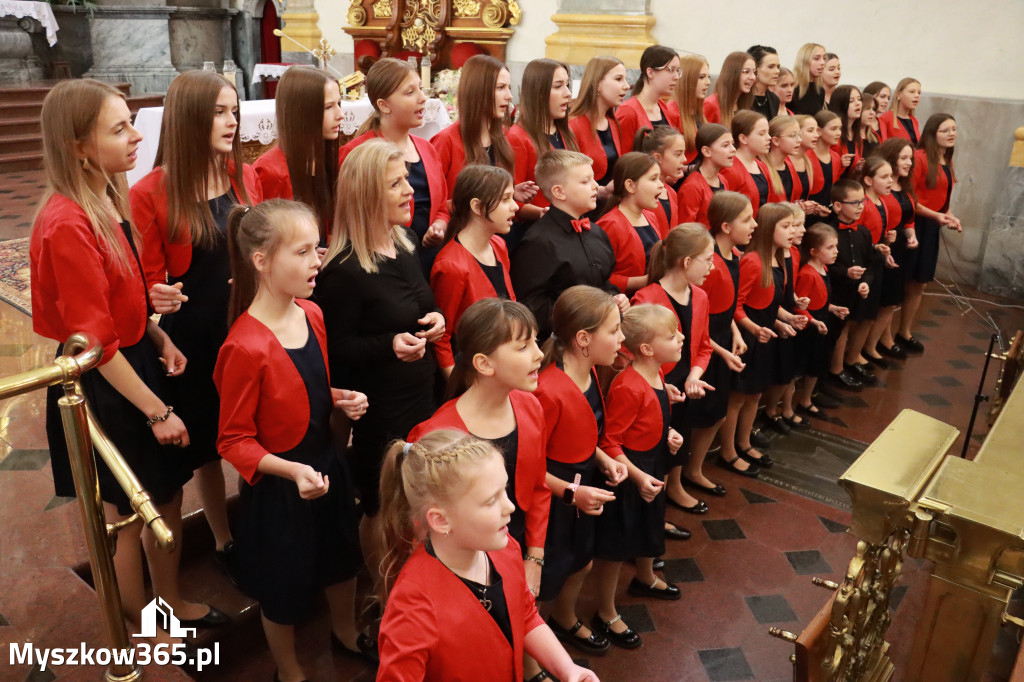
{"x": 459, "y": 574}
{"x": 668, "y": 147}
{"x": 298, "y": 528}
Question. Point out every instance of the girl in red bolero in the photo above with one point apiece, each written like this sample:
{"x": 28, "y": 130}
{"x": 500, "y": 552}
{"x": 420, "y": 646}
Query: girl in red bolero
{"x": 783, "y": 182}
{"x": 811, "y": 181}
{"x": 592, "y": 117}
{"x": 86, "y": 277}
{"x": 647, "y": 108}
{"x": 181, "y": 207}
{"x": 303, "y": 165}
{"x": 298, "y": 529}
{"x": 882, "y": 218}
{"x": 899, "y": 120}
{"x": 395, "y": 92}
{"x": 668, "y": 148}
{"x": 826, "y": 163}
{"x": 631, "y": 221}
{"x": 586, "y": 335}
{"x": 473, "y": 264}
{"x": 715, "y": 153}
{"x": 491, "y": 399}
{"x": 846, "y": 102}
{"x": 459, "y": 608}
{"x": 688, "y": 99}
{"x": 637, "y": 434}
{"x": 732, "y": 89}
{"x": 749, "y": 173}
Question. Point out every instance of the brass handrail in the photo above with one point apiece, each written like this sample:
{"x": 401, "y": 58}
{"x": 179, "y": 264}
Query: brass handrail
{"x": 82, "y": 352}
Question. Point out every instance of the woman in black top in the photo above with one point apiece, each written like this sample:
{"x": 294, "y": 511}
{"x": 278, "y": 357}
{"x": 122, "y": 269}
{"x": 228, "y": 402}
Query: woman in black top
{"x": 765, "y": 101}
{"x": 810, "y": 95}
{"x": 378, "y": 309}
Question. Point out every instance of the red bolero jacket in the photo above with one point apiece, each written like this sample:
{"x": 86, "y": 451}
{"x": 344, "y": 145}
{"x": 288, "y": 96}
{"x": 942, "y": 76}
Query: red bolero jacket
{"x": 434, "y": 627}
{"x": 666, "y": 222}
{"x": 451, "y": 155}
{"x": 694, "y": 196}
{"x": 751, "y": 292}
{"x": 740, "y": 179}
{"x": 431, "y": 164}
{"x": 272, "y": 170}
{"x": 712, "y": 109}
{"x": 691, "y": 153}
{"x": 634, "y": 415}
{"x": 889, "y": 126}
{"x": 858, "y": 155}
{"x": 718, "y": 285}
{"x": 798, "y": 187}
{"x": 936, "y": 198}
{"x": 630, "y": 260}
{"x": 532, "y": 493}
{"x": 259, "y": 386}
{"x": 811, "y": 284}
{"x": 160, "y": 256}
{"x": 79, "y": 285}
{"x": 459, "y": 282}
{"x": 818, "y": 181}
{"x": 632, "y": 117}
{"x": 872, "y": 217}
{"x": 571, "y": 426}
{"x": 700, "y": 341}
{"x": 590, "y": 143}
{"x": 526, "y": 161}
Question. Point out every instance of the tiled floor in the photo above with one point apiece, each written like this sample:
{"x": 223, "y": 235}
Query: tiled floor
{"x": 748, "y": 566}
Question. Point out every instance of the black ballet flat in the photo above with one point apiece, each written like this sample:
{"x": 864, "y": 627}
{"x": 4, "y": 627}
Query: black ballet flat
{"x": 596, "y": 644}
{"x": 794, "y": 424}
{"x": 717, "y": 491}
{"x": 863, "y": 373}
{"x": 668, "y": 593}
{"x": 878, "y": 362}
{"x": 675, "y": 533}
{"x": 846, "y": 380}
{"x": 659, "y": 562}
{"x": 628, "y": 639}
{"x": 728, "y": 465}
{"x": 759, "y": 440}
{"x": 367, "y": 649}
{"x": 909, "y": 345}
{"x": 777, "y": 424}
{"x": 895, "y": 351}
{"x": 765, "y": 461}
{"x": 215, "y": 618}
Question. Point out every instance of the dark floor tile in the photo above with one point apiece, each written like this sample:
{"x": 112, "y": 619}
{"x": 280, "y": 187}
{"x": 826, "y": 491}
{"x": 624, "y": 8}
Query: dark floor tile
{"x": 772, "y": 608}
{"x": 808, "y": 562}
{"x": 638, "y": 617}
{"x": 970, "y": 349}
{"x": 832, "y": 526}
{"x": 934, "y": 400}
{"x": 896, "y": 596}
{"x": 723, "y": 665}
{"x": 37, "y": 675}
{"x": 723, "y": 529}
{"x": 756, "y": 498}
{"x": 928, "y": 323}
{"x": 3, "y": 621}
{"x": 23, "y": 225}
{"x": 957, "y": 363}
{"x": 57, "y": 501}
{"x": 940, "y": 312}
{"x": 947, "y": 381}
{"x": 920, "y": 336}
{"x": 25, "y": 460}
{"x": 682, "y": 571}
{"x": 981, "y": 336}
{"x": 838, "y": 422}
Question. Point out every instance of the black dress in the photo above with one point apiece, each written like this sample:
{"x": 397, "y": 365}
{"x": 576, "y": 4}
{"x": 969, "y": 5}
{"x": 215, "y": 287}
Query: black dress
{"x": 762, "y": 187}
{"x": 707, "y": 411}
{"x": 805, "y": 184}
{"x": 921, "y": 265}
{"x": 198, "y": 329}
{"x": 784, "y": 368}
{"x": 809, "y": 101}
{"x": 569, "y": 545}
{"x": 362, "y": 313}
{"x": 677, "y": 377}
{"x": 757, "y": 375}
{"x": 612, "y": 154}
{"x": 814, "y": 349}
{"x": 900, "y": 253}
{"x": 288, "y": 549}
{"x": 508, "y": 446}
{"x": 630, "y": 527}
{"x": 421, "y": 214}
{"x": 766, "y": 104}
{"x": 161, "y": 469}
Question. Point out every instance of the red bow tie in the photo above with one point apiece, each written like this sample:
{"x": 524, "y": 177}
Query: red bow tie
{"x": 581, "y": 224}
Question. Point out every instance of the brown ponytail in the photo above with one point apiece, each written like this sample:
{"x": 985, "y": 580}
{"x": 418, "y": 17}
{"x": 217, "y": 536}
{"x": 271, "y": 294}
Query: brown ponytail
{"x": 579, "y": 308}
{"x": 487, "y": 324}
{"x": 688, "y": 240}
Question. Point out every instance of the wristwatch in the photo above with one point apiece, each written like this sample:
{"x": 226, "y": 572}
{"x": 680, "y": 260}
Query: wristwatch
{"x": 570, "y": 490}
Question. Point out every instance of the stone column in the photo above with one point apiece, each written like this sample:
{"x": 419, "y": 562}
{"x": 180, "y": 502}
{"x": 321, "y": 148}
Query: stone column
{"x": 1002, "y": 267}
{"x": 588, "y": 28}
{"x": 301, "y": 23}
{"x": 131, "y": 43}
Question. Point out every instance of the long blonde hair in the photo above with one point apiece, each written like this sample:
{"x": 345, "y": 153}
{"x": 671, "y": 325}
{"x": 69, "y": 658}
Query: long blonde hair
{"x": 776, "y": 128}
{"x": 802, "y": 68}
{"x": 359, "y": 207}
{"x": 414, "y": 477}
{"x": 691, "y": 109}
{"x": 69, "y": 115}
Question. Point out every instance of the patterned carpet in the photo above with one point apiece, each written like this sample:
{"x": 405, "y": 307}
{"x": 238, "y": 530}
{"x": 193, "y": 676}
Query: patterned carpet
{"x": 14, "y": 277}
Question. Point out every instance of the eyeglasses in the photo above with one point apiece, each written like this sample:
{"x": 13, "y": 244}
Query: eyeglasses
{"x": 671, "y": 69}
{"x": 859, "y": 202}
{"x": 710, "y": 262}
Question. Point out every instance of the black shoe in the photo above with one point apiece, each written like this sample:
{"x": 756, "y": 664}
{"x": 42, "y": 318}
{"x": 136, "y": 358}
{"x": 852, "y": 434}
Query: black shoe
{"x": 658, "y": 564}
{"x": 759, "y": 440}
{"x": 813, "y": 411}
{"x": 628, "y": 639}
{"x": 677, "y": 533}
{"x": 764, "y": 461}
{"x": 827, "y": 400}
{"x": 895, "y": 351}
{"x": 863, "y": 373}
{"x": 717, "y": 491}
{"x": 749, "y": 472}
{"x": 668, "y": 593}
{"x": 778, "y": 425}
{"x": 367, "y": 649}
{"x": 215, "y": 618}
{"x": 845, "y": 380}
{"x": 879, "y": 362}
{"x": 796, "y": 425}
{"x": 910, "y": 345}
{"x": 596, "y": 644}
{"x": 700, "y": 508}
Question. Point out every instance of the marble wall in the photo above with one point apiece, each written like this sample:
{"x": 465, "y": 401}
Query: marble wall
{"x": 1002, "y": 269}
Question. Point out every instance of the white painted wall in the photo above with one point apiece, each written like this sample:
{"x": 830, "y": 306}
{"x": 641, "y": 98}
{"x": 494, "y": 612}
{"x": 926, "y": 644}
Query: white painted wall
{"x": 333, "y": 16}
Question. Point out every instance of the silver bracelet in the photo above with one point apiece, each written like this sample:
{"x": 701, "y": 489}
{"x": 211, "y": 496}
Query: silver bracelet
{"x": 154, "y": 420}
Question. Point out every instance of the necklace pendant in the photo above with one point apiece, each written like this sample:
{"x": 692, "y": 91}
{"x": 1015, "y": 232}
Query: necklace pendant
{"x": 486, "y": 603}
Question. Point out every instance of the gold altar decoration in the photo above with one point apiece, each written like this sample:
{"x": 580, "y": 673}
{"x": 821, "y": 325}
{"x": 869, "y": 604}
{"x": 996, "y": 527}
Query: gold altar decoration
{"x": 382, "y": 9}
{"x": 420, "y": 22}
{"x": 466, "y": 8}
{"x": 356, "y": 13}
{"x": 583, "y": 36}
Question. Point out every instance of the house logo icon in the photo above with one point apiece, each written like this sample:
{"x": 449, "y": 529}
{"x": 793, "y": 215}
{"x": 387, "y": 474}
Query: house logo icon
{"x": 159, "y": 613}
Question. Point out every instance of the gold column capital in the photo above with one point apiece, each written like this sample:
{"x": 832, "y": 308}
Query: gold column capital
{"x": 1017, "y": 156}
{"x": 582, "y": 36}
{"x": 304, "y": 27}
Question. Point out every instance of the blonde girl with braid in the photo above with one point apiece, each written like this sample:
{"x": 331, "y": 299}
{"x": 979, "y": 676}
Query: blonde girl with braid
{"x": 457, "y": 605}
